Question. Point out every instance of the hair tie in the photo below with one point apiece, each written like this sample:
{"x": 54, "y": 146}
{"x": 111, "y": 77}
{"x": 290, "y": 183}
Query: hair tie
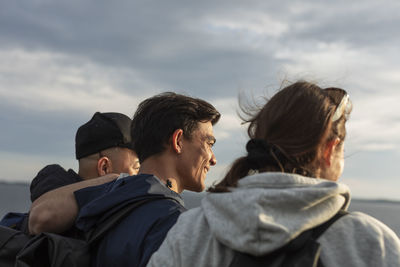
{"x": 257, "y": 145}
{"x": 259, "y": 153}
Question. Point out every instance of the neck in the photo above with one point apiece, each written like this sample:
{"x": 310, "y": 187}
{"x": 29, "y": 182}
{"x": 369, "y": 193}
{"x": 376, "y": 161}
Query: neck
{"x": 164, "y": 169}
{"x": 86, "y": 174}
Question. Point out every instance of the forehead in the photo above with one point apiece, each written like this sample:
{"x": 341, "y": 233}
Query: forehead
{"x": 127, "y": 154}
{"x": 204, "y": 130}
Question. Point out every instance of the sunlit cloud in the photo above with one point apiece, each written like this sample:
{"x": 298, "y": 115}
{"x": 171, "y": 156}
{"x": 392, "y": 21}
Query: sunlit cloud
{"x": 247, "y": 24}
{"x": 374, "y": 123}
{"x": 61, "y": 63}
{"x": 50, "y": 82}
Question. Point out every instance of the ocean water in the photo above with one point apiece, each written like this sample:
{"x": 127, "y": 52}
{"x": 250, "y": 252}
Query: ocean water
{"x": 15, "y": 197}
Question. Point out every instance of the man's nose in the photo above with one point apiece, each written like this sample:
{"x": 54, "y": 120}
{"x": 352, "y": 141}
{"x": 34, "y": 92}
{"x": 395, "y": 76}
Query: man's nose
{"x": 213, "y": 160}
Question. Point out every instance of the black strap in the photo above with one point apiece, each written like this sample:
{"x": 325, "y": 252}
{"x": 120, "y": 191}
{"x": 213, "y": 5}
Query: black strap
{"x": 313, "y": 233}
{"x": 319, "y": 230}
{"x": 6, "y": 234}
{"x": 304, "y": 244}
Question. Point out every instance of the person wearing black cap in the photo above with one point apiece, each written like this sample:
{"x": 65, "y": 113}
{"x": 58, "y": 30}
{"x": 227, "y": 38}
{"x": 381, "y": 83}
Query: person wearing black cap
{"x": 174, "y": 141}
{"x": 173, "y": 137}
{"x": 105, "y": 137}
{"x": 103, "y": 148}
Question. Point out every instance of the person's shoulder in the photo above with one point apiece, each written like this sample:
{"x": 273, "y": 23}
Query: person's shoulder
{"x": 359, "y": 224}
{"x": 372, "y": 225}
{"x": 162, "y": 207}
{"x": 147, "y": 186}
{"x": 190, "y": 219}
{"x": 358, "y": 239}
{"x": 50, "y": 170}
{"x": 190, "y": 235}
{"x": 51, "y": 177}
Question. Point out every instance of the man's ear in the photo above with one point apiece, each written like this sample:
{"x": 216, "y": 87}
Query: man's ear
{"x": 329, "y": 149}
{"x": 104, "y": 166}
{"x": 177, "y": 138}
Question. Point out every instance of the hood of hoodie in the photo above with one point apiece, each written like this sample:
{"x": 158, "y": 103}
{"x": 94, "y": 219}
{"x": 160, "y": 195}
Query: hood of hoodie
{"x": 51, "y": 177}
{"x": 267, "y": 210}
{"x": 101, "y": 201}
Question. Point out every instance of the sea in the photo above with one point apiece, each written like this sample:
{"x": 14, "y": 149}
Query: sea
{"x": 16, "y": 197}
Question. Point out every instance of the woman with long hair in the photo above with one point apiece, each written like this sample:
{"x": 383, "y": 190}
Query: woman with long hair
{"x": 284, "y": 186}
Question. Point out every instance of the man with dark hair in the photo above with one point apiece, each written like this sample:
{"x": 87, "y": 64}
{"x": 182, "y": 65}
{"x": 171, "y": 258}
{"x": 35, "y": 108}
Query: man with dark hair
{"x": 173, "y": 139}
{"x": 103, "y": 146}
{"x": 179, "y": 121}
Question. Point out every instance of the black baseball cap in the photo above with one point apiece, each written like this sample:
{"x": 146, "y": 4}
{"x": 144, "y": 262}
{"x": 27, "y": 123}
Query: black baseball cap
{"x": 103, "y": 131}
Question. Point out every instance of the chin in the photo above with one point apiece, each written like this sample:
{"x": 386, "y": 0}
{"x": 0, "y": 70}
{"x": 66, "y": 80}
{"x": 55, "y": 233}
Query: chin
{"x": 194, "y": 183}
{"x": 197, "y": 188}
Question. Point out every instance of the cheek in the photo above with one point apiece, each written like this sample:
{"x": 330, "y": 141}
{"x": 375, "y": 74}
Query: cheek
{"x": 206, "y": 156}
{"x": 127, "y": 168}
{"x": 342, "y": 157}
{"x": 134, "y": 171}
{"x": 340, "y": 165}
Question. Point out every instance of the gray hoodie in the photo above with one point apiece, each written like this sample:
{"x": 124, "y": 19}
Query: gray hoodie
{"x": 268, "y": 210}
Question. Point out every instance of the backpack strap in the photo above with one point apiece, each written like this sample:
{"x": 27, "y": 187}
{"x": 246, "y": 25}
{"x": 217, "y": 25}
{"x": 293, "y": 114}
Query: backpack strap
{"x": 303, "y": 245}
{"x": 313, "y": 233}
{"x": 319, "y": 230}
{"x": 11, "y": 242}
{"x": 7, "y": 234}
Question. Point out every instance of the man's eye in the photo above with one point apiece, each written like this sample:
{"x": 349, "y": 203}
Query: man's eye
{"x": 136, "y": 166}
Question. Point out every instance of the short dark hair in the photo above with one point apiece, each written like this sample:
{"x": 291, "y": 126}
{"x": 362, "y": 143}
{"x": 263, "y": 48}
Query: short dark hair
{"x": 157, "y": 117}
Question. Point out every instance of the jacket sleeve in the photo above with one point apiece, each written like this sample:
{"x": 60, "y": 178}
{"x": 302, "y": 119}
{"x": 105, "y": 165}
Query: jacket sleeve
{"x": 16, "y": 220}
{"x": 165, "y": 255}
{"x": 156, "y": 236}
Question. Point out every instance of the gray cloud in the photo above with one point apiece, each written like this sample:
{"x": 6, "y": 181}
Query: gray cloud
{"x": 37, "y": 133}
{"x": 164, "y": 42}
{"x": 62, "y": 61}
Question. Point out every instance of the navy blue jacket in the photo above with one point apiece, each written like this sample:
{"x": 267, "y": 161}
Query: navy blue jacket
{"x": 140, "y": 233}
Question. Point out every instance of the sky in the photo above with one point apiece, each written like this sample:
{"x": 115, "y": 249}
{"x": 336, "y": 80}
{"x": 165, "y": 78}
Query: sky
{"x": 61, "y": 61}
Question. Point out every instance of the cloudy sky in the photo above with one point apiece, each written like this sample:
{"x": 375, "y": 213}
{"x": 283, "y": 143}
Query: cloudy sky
{"x": 61, "y": 61}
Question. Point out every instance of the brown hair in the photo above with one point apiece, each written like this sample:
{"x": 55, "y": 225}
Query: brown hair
{"x": 157, "y": 117}
{"x": 286, "y": 133}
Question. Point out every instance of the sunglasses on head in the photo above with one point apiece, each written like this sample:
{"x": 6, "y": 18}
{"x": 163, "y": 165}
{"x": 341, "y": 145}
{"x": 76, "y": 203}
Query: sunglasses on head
{"x": 343, "y": 107}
